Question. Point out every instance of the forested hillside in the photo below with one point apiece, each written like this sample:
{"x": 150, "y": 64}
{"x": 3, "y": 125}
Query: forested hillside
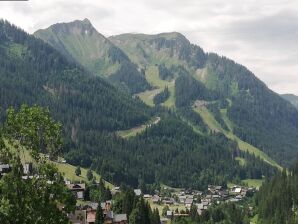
{"x": 79, "y": 41}
{"x": 170, "y": 153}
{"x": 91, "y": 110}
{"x": 293, "y": 99}
{"x": 277, "y": 200}
{"x": 258, "y": 116}
{"x": 32, "y": 72}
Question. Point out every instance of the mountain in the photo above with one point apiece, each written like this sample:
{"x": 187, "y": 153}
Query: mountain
{"x": 92, "y": 112}
{"x": 32, "y": 72}
{"x": 79, "y": 41}
{"x": 240, "y": 105}
{"x": 293, "y": 99}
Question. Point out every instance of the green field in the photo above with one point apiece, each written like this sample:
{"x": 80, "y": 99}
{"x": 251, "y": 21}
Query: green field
{"x": 68, "y": 172}
{"x": 136, "y": 130}
{"x": 152, "y": 76}
{"x": 66, "y": 169}
{"x": 244, "y": 146}
{"x": 253, "y": 182}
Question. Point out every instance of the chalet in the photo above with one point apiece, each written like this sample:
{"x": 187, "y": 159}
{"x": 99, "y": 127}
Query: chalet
{"x": 77, "y": 189}
{"x": 156, "y": 199}
{"x": 138, "y": 192}
{"x": 91, "y": 216}
{"x": 4, "y": 168}
{"x": 188, "y": 202}
{"x": 182, "y": 199}
{"x": 147, "y": 196}
{"x": 169, "y": 201}
{"x": 169, "y": 214}
{"x": 237, "y": 190}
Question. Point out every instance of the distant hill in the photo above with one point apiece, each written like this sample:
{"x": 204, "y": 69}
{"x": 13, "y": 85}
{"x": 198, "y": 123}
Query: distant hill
{"x": 79, "y": 41}
{"x": 293, "y": 99}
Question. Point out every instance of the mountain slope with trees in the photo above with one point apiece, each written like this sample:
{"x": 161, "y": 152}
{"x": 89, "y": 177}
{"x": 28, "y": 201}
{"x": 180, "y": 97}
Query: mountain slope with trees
{"x": 293, "y": 99}
{"x": 92, "y": 111}
{"x": 258, "y": 116}
{"x": 32, "y": 72}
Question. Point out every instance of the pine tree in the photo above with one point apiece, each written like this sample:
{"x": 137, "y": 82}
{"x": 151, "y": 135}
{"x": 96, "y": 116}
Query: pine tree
{"x": 78, "y": 171}
{"x": 99, "y": 219}
{"x": 89, "y": 175}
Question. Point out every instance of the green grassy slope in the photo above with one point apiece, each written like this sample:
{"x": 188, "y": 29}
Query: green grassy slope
{"x": 244, "y": 146}
{"x": 139, "y": 129}
{"x": 152, "y": 76}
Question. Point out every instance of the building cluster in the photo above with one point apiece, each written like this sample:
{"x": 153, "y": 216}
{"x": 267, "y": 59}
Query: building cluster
{"x": 184, "y": 199}
{"x": 85, "y": 213}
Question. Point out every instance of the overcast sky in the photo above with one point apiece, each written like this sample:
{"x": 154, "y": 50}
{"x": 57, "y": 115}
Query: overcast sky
{"x": 260, "y": 34}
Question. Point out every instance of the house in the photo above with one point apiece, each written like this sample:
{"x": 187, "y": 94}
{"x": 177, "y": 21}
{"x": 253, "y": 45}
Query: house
{"x": 155, "y": 199}
{"x": 77, "y": 189}
{"x": 138, "y": 192}
{"x": 238, "y": 190}
{"x": 200, "y": 206}
{"x": 169, "y": 201}
{"x": 120, "y": 219}
{"x": 188, "y": 202}
{"x": 91, "y": 216}
{"x": 169, "y": 214}
{"x": 182, "y": 199}
{"x": 4, "y": 168}
{"x": 147, "y": 196}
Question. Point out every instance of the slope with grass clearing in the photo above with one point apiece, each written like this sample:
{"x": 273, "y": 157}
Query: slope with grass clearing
{"x": 213, "y": 125}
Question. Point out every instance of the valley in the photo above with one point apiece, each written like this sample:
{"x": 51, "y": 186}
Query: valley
{"x": 128, "y": 119}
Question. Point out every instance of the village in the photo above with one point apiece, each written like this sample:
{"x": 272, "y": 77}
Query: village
{"x": 170, "y": 202}
{"x": 178, "y": 204}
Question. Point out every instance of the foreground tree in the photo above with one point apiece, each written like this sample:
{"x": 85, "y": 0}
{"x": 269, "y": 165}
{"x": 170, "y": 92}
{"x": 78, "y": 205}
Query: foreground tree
{"x": 42, "y": 198}
{"x": 99, "y": 219}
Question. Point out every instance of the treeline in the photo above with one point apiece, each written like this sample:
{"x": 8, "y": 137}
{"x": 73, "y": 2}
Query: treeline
{"x": 162, "y": 96}
{"x": 261, "y": 117}
{"x": 189, "y": 114}
{"x": 226, "y": 213}
{"x": 165, "y": 73}
{"x": 214, "y": 109}
{"x": 187, "y": 90}
{"x": 136, "y": 208}
{"x": 128, "y": 77}
{"x": 277, "y": 200}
